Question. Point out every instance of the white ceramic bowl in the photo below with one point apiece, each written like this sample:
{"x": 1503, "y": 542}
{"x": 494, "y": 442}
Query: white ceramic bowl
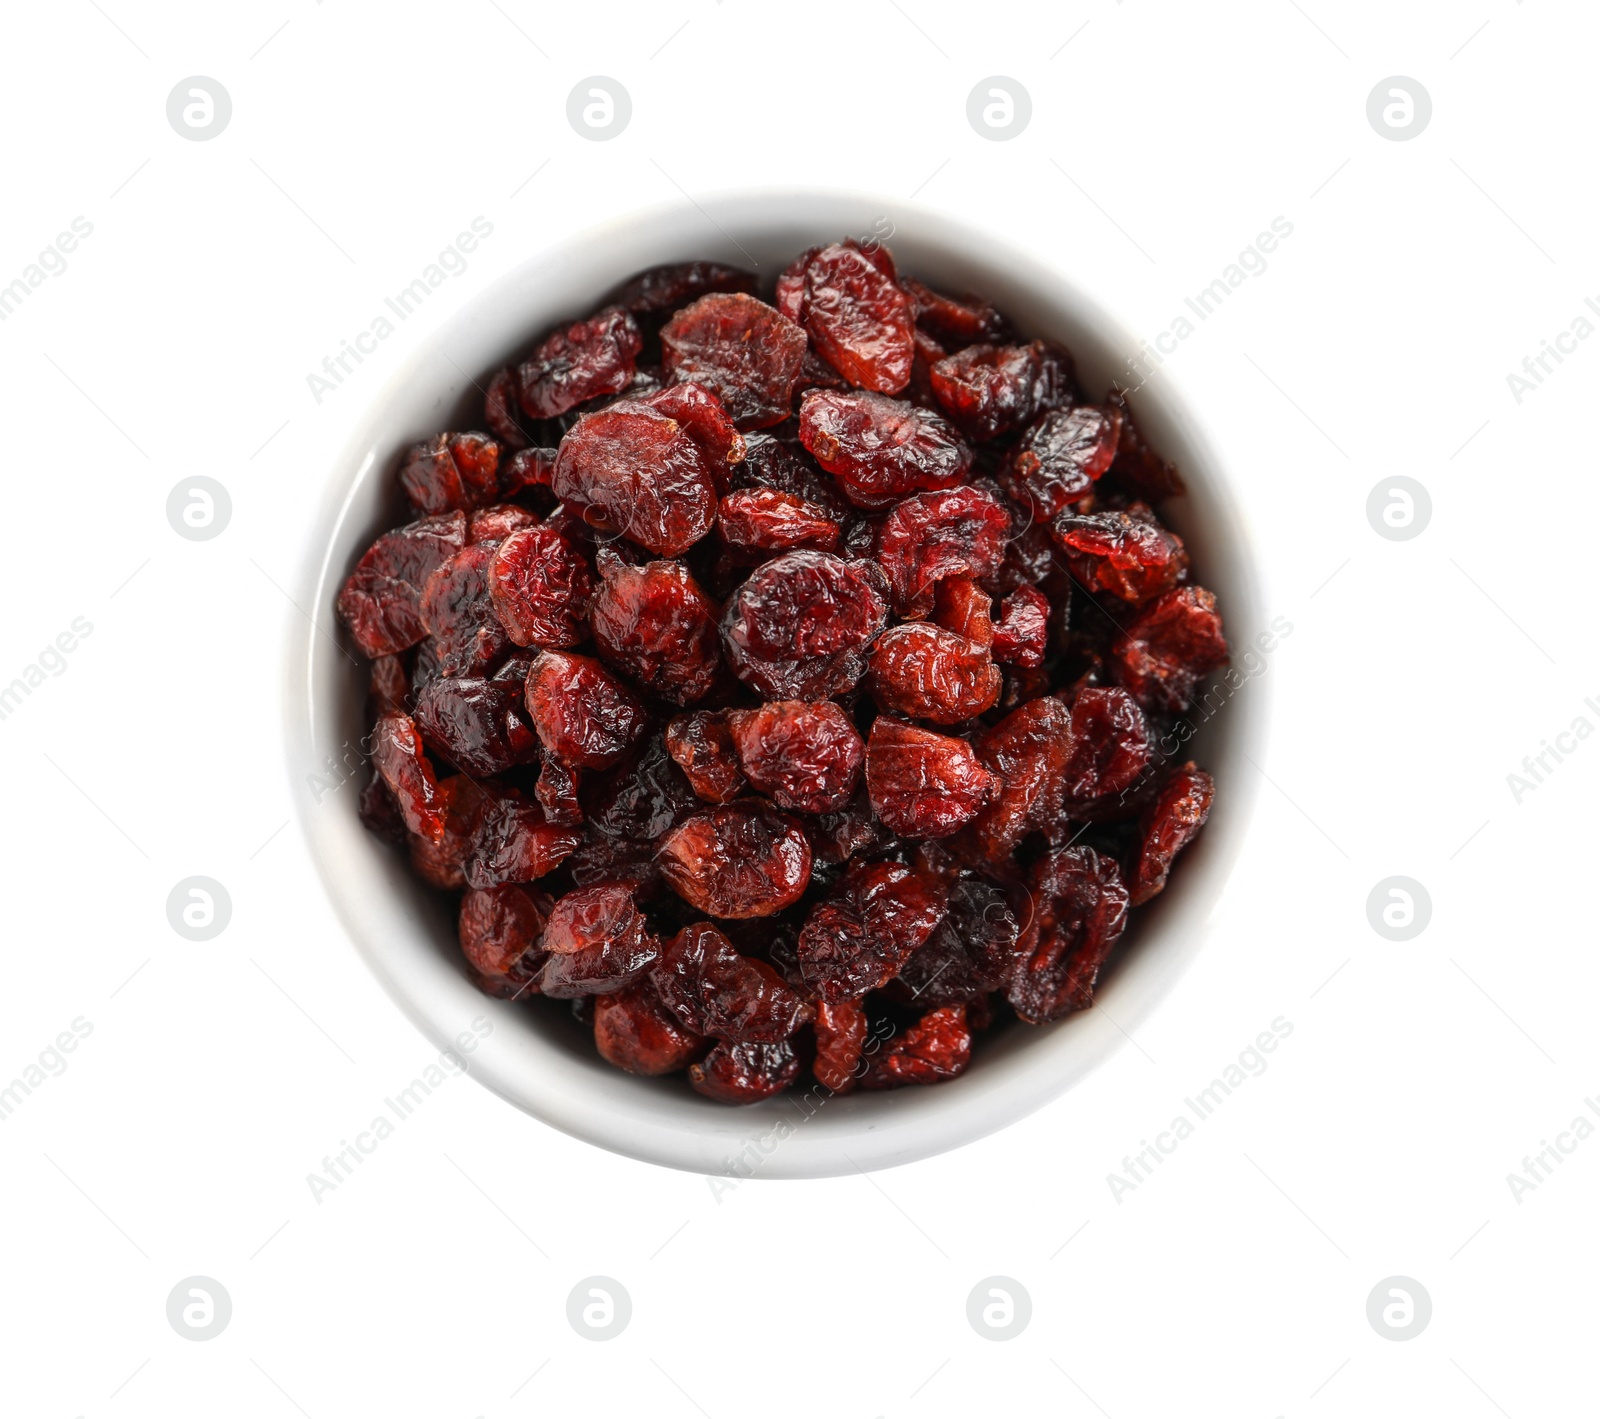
{"x": 535, "y": 1056}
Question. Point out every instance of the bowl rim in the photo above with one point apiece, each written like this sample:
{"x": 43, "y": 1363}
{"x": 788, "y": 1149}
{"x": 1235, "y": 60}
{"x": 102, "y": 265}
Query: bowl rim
{"x": 537, "y": 1072}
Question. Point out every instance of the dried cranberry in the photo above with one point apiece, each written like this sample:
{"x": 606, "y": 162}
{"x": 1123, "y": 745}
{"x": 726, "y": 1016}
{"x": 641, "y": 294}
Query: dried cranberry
{"x": 442, "y": 862}
{"x": 989, "y": 390}
{"x": 540, "y": 585}
{"x": 654, "y": 624}
{"x": 790, "y": 297}
{"x": 857, "y": 938}
{"x": 583, "y": 714}
{"x": 381, "y": 603}
{"x": 398, "y": 756}
{"x": 712, "y": 990}
{"x": 701, "y": 744}
{"x": 586, "y": 360}
{"x": 634, "y": 1031}
{"x": 1029, "y": 750}
{"x": 453, "y": 471}
{"x": 744, "y": 1074}
{"x": 783, "y": 466}
{"x": 664, "y": 288}
{"x": 957, "y": 320}
{"x": 924, "y": 785}
{"x": 388, "y": 688}
{"x": 974, "y": 950}
{"x": 515, "y": 842}
{"x": 1110, "y": 750}
{"x": 1023, "y": 630}
{"x": 800, "y": 626}
{"x": 1172, "y": 644}
{"x": 841, "y": 1030}
{"x": 646, "y": 470}
{"x": 859, "y": 318}
{"x": 937, "y": 1047}
{"x": 740, "y": 861}
{"x": 1059, "y": 458}
{"x": 476, "y": 724}
{"x": 458, "y": 613}
{"x": 931, "y": 536}
{"x": 1137, "y": 468}
{"x": 500, "y": 930}
{"x": 527, "y": 468}
{"x": 1168, "y": 826}
{"x": 741, "y": 350}
{"x": 557, "y": 793}
{"x": 962, "y": 606}
{"x": 500, "y": 412}
{"x": 880, "y": 449}
{"x": 930, "y": 673}
{"x": 497, "y": 522}
{"x": 761, "y": 520}
{"x": 805, "y": 757}
{"x": 1080, "y": 909}
{"x": 1125, "y": 552}
{"x": 599, "y": 943}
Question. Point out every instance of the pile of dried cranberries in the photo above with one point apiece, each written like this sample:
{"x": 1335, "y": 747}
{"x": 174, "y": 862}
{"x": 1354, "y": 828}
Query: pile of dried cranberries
{"x": 784, "y": 683}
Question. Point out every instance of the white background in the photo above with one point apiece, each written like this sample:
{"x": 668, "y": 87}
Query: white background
{"x": 1419, "y": 673}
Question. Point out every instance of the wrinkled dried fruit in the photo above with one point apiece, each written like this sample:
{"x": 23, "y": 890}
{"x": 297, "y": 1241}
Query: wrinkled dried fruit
{"x": 701, "y": 744}
{"x": 583, "y": 714}
{"x": 1029, "y": 750}
{"x": 856, "y": 939}
{"x": 598, "y": 942}
{"x": 741, "y": 861}
{"x": 1137, "y": 467}
{"x": 841, "y": 1031}
{"x": 1059, "y": 458}
{"x": 557, "y": 793}
{"x": 458, "y": 613}
{"x": 962, "y": 606}
{"x": 584, "y": 361}
{"x": 931, "y": 536}
{"x": 1173, "y": 643}
{"x": 1022, "y": 633}
{"x": 924, "y": 785}
{"x": 442, "y": 863}
{"x": 540, "y": 585}
{"x": 805, "y": 757}
{"x": 799, "y": 627}
{"x": 880, "y": 449}
{"x": 712, "y": 990}
{"x": 1168, "y": 826}
{"x": 664, "y": 288}
{"x": 761, "y": 520}
{"x": 381, "y": 603}
{"x": 476, "y": 724}
{"x": 956, "y": 320}
{"x": 744, "y": 1074}
{"x": 930, "y": 673}
{"x": 741, "y": 350}
{"x": 1124, "y": 552}
{"x": 500, "y": 930}
{"x": 654, "y": 624}
{"x": 515, "y": 842}
{"x": 453, "y": 471}
{"x": 1080, "y": 909}
{"x": 937, "y": 1047}
{"x": 974, "y": 950}
{"x": 859, "y": 319}
{"x": 989, "y": 390}
{"x": 398, "y": 756}
{"x": 1110, "y": 750}
{"x": 634, "y": 1031}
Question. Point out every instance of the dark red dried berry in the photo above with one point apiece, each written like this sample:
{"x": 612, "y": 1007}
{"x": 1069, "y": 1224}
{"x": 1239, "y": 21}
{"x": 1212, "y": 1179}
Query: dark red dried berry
{"x": 1059, "y": 458}
{"x": 557, "y": 793}
{"x": 937, "y": 1047}
{"x": 500, "y": 412}
{"x": 634, "y": 1031}
{"x": 956, "y": 320}
{"x": 1029, "y": 750}
{"x": 805, "y": 757}
{"x": 476, "y": 724}
{"x": 1080, "y": 909}
{"x": 1022, "y": 633}
{"x": 740, "y": 861}
{"x": 930, "y": 673}
{"x": 790, "y": 297}
{"x": 880, "y": 449}
{"x": 1110, "y": 751}
{"x": 459, "y": 614}
{"x": 527, "y": 468}
{"x": 584, "y": 361}
{"x": 1137, "y": 468}
{"x": 540, "y": 585}
{"x": 1168, "y": 826}
{"x": 924, "y": 785}
{"x": 742, "y": 350}
{"x": 1173, "y": 643}
{"x": 758, "y": 521}
{"x": 515, "y": 842}
{"x": 859, "y": 319}
{"x": 500, "y": 930}
{"x": 974, "y": 950}
{"x": 583, "y": 714}
{"x": 642, "y": 467}
{"x": 712, "y": 990}
{"x": 841, "y": 1031}
{"x": 962, "y": 606}
{"x": 989, "y": 390}
{"x": 1124, "y": 552}
{"x": 381, "y": 603}
{"x": 782, "y": 465}
{"x": 442, "y": 864}
{"x": 398, "y": 757}
{"x": 497, "y": 522}
{"x": 931, "y": 536}
{"x": 388, "y": 689}
{"x": 701, "y": 744}
{"x": 654, "y": 624}
{"x": 744, "y": 1074}
{"x": 665, "y": 288}
{"x": 450, "y": 472}
{"x": 599, "y": 943}
{"x": 800, "y": 626}
{"x": 858, "y": 937}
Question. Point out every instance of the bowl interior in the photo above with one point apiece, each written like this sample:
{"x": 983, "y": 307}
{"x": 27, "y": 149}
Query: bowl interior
{"x": 536, "y": 1057}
